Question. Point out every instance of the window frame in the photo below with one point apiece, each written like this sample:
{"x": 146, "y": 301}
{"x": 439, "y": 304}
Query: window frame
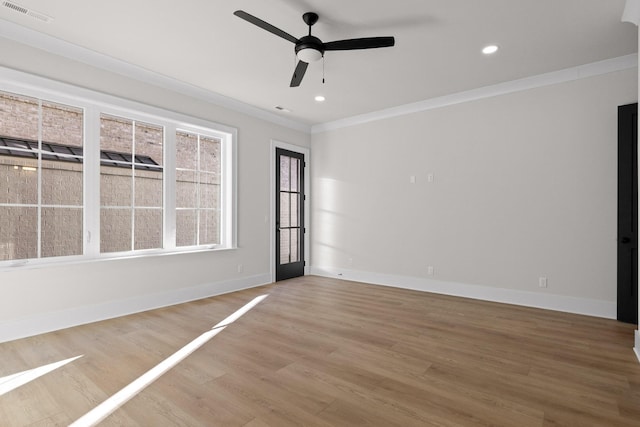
{"x": 133, "y": 207}
{"x": 198, "y": 170}
{"x": 93, "y": 105}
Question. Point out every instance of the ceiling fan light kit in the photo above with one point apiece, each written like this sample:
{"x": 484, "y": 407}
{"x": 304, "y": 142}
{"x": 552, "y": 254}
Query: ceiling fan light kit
{"x": 310, "y": 48}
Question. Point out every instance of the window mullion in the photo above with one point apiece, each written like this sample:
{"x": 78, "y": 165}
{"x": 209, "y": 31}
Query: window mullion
{"x": 198, "y": 177}
{"x": 169, "y": 187}
{"x": 39, "y": 181}
{"x": 91, "y": 189}
{"x": 133, "y": 185}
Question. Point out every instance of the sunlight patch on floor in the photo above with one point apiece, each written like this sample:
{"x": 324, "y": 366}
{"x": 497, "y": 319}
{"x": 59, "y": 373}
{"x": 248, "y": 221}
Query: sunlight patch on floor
{"x": 107, "y": 407}
{"x": 11, "y": 382}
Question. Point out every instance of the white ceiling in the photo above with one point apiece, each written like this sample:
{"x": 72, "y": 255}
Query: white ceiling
{"x": 437, "y": 50}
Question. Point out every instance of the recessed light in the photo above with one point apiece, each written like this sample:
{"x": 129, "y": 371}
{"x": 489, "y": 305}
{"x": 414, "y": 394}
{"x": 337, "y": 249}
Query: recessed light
{"x": 488, "y": 50}
{"x": 320, "y": 98}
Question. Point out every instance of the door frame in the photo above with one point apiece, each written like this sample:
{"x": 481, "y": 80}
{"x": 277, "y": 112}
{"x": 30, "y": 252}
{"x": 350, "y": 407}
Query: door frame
{"x": 307, "y": 202}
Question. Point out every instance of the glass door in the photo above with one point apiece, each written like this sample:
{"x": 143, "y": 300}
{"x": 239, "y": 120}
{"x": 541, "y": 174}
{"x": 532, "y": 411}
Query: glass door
{"x": 289, "y": 214}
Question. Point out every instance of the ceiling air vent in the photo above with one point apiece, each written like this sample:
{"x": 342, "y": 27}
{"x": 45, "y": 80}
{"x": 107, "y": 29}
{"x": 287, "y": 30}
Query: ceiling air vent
{"x": 25, "y": 11}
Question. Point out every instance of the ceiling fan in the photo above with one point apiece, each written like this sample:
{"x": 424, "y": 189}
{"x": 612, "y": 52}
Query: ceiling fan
{"x": 309, "y": 48}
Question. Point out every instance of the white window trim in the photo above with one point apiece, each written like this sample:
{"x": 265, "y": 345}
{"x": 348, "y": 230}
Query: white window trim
{"x": 95, "y": 103}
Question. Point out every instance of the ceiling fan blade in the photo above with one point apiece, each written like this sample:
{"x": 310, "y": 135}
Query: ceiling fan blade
{"x": 265, "y": 25}
{"x": 363, "y": 43}
{"x": 298, "y": 74}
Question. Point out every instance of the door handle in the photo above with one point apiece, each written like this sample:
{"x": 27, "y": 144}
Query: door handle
{"x": 625, "y": 240}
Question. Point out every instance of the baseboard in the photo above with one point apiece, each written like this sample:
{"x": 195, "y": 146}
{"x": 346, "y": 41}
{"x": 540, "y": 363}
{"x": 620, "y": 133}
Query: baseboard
{"x": 53, "y": 321}
{"x": 637, "y": 346}
{"x": 547, "y": 301}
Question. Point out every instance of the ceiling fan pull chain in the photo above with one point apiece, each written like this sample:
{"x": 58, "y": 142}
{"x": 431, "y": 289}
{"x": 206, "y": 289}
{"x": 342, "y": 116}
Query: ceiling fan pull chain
{"x": 322, "y": 69}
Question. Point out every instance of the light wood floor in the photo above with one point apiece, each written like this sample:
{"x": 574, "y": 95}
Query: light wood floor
{"x": 327, "y": 352}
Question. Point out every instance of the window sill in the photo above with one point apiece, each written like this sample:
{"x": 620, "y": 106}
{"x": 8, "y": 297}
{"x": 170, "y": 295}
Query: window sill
{"x": 28, "y": 264}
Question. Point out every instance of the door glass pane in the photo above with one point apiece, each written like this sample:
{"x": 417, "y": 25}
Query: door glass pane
{"x": 294, "y": 245}
{"x": 285, "y": 214}
{"x": 294, "y": 210}
{"x": 61, "y": 232}
{"x": 294, "y": 174}
{"x": 18, "y": 234}
{"x": 284, "y": 173}
{"x": 285, "y": 245}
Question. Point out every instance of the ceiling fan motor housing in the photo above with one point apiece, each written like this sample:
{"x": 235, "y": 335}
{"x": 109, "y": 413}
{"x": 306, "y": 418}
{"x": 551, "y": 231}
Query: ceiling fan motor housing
{"x": 309, "y": 49}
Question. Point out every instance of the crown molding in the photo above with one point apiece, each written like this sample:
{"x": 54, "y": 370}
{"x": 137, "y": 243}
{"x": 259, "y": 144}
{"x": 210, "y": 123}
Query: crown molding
{"x": 631, "y": 12}
{"x": 562, "y": 76}
{"x": 38, "y": 40}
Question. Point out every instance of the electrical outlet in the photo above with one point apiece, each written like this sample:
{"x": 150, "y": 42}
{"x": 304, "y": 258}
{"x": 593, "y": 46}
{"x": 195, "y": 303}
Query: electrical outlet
{"x": 542, "y": 282}
{"x": 430, "y": 177}
{"x": 350, "y": 262}
{"x": 240, "y": 268}
{"x": 430, "y": 270}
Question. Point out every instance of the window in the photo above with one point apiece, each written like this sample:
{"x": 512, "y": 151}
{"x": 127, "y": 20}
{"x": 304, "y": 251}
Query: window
{"x": 130, "y": 185}
{"x": 197, "y": 189}
{"x": 81, "y": 177}
{"x": 41, "y": 171}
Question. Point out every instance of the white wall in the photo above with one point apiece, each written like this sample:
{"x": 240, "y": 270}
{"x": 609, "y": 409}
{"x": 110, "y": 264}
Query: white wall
{"x": 38, "y": 299}
{"x": 525, "y": 185}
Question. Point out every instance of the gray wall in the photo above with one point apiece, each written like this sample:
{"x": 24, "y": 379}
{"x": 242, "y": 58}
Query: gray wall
{"x": 524, "y": 186}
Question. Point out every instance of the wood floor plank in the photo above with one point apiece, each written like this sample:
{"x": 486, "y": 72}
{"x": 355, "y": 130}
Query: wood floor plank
{"x": 360, "y": 399}
{"x": 329, "y": 352}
